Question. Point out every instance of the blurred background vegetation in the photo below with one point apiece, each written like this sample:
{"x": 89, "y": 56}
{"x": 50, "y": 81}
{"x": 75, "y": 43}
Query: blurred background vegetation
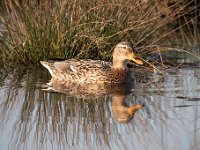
{"x": 31, "y": 31}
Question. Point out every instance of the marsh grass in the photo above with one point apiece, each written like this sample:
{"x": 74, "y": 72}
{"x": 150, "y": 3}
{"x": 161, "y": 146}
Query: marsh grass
{"x": 35, "y": 30}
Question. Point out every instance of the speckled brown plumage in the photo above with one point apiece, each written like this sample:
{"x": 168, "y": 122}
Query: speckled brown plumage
{"x": 95, "y": 71}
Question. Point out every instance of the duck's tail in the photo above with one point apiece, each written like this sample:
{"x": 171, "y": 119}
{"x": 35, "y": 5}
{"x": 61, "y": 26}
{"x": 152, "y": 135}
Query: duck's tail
{"x": 48, "y": 65}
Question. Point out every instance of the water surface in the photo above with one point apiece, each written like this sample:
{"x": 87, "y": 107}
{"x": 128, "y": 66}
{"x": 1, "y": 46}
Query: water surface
{"x": 32, "y": 118}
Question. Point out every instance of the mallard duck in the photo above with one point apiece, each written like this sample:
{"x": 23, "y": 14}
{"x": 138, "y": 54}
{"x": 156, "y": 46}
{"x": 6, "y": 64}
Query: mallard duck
{"x": 96, "y": 71}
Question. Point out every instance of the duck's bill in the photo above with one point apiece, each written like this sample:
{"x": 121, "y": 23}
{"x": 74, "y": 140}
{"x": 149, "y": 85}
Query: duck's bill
{"x": 134, "y": 108}
{"x": 135, "y": 59}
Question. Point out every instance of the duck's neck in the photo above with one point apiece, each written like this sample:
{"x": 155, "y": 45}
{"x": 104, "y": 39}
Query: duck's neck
{"x": 119, "y": 65}
{"x": 118, "y": 100}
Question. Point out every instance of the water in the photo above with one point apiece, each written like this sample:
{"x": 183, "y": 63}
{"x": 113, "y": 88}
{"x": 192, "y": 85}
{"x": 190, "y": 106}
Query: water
{"x": 32, "y": 118}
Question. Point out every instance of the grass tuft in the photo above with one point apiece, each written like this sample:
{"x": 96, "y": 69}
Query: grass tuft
{"x": 31, "y": 31}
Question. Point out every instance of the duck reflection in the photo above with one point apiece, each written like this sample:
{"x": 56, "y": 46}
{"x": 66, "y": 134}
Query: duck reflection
{"x": 121, "y": 111}
{"x": 120, "y": 93}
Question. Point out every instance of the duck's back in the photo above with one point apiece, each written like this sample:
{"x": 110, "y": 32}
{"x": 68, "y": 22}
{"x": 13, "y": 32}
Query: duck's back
{"x": 80, "y": 71}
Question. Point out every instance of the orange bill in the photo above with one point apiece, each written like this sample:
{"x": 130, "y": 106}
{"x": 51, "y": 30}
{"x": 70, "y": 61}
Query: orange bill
{"x": 134, "y": 58}
{"x": 134, "y": 108}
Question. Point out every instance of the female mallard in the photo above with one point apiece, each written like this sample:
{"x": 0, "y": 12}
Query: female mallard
{"x": 95, "y": 71}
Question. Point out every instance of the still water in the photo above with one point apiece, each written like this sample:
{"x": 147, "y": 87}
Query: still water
{"x": 88, "y": 118}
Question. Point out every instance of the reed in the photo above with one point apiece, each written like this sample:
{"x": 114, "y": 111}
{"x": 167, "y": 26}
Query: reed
{"x": 40, "y": 30}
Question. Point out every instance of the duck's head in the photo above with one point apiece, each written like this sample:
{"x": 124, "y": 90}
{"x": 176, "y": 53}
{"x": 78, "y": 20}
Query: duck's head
{"x": 124, "y": 114}
{"x": 122, "y": 53}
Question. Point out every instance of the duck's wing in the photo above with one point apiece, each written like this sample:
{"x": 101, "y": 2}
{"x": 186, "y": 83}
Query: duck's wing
{"x": 59, "y": 66}
{"x": 67, "y": 65}
{"x": 94, "y": 64}
{"x": 74, "y": 66}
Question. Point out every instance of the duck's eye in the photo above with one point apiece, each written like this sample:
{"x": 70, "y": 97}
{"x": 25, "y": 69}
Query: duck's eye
{"x": 129, "y": 49}
{"x": 123, "y": 47}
